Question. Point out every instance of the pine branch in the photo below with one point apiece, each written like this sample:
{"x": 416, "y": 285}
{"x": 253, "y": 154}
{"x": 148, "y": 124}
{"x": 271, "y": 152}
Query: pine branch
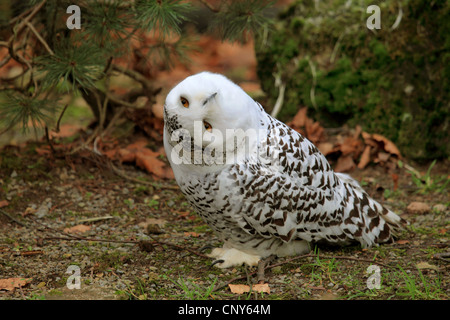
{"x": 239, "y": 19}
{"x": 161, "y": 16}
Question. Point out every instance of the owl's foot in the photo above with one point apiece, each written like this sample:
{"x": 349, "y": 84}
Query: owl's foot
{"x": 230, "y": 257}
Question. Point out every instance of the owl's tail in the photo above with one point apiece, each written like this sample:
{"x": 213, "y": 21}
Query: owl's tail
{"x": 374, "y": 223}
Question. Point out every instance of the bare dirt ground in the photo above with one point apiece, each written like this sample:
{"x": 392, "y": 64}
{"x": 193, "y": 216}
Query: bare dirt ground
{"x": 137, "y": 238}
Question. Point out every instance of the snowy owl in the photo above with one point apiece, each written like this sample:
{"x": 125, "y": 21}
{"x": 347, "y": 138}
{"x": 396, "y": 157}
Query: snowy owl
{"x": 261, "y": 186}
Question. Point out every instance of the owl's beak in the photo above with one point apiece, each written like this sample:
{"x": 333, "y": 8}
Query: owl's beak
{"x": 210, "y": 98}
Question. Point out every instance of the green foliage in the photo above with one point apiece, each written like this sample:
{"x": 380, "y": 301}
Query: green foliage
{"x": 426, "y": 183}
{"x": 56, "y": 59}
{"x": 78, "y": 66}
{"x": 239, "y": 17}
{"x": 165, "y": 16}
{"x": 192, "y": 291}
{"x": 106, "y": 26}
{"x": 393, "y": 82}
{"x": 23, "y": 109}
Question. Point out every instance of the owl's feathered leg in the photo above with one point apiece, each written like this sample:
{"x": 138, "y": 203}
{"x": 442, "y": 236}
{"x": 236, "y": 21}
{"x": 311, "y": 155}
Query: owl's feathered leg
{"x": 227, "y": 257}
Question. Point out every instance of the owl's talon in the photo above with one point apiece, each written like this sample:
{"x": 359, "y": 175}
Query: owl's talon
{"x": 204, "y": 248}
{"x": 217, "y": 261}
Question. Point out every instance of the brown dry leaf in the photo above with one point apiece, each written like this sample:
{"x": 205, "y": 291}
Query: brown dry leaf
{"x": 365, "y": 158}
{"x": 143, "y": 157}
{"x": 243, "y": 288}
{"x": 382, "y": 157}
{"x": 351, "y": 146}
{"x": 12, "y": 283}
{"x": 314, "y": 131}
{"x": 261, "y": 287}
{"x": 125, "y": 155}
{"x": 344, "y": 164}
{"x": 389, "y": 146}
{"x": 3, "y": 203}
{"x": 395, "y": 179}
{"x": 402, "y": 241}
{"x": 357, "y": 132}
{"x": 43, "y": 151}
{"x": 65, "y": 130}
{"x": 191, "y": 234}
{"x": 325, "y": 147}
{"x": 299, "y": 119}
{"x": 147, "y": 160}
{"x": 77, "y": 229}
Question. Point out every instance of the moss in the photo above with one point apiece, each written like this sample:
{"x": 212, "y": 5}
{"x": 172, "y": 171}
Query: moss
{"x": 392, "y": 82}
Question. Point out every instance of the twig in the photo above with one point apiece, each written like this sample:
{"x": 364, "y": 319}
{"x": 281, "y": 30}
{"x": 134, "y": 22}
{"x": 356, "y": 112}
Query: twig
{"x": 180, "y": 248}
{"x": 32, "y": 79}
{"x": 95, "y": 219}
{"x": 124, "y": 175}
{"x": 41, "y": 40}
{"x": 91, "y": 239}
{"x": 132, "y": 74}
{"x": 209, "y": 6}
{"x": 27, "y": 19}
{"x": 124, "y": 103}
{"x": 12, "y": 218}
{"x": 59, "y": 119}
{"x": 47, "y": 137}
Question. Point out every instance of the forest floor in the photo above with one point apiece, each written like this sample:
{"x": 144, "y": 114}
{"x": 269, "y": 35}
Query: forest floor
{"x": 137, "y": 238}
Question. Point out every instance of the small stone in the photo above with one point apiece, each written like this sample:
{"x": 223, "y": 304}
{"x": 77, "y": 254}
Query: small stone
{"x": 440, "y": 207}
{"x": 42, "y": 211}
{"x": 418, "y": 207}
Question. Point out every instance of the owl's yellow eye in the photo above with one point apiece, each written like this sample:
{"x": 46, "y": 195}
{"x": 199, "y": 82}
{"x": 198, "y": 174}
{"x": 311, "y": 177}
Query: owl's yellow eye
{"x": 207, "y": 126}
{"x": 184, "y": 102}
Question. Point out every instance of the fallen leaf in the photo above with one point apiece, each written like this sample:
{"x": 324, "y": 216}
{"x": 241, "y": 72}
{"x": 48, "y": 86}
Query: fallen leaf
{"x": 148, "y": 160}
{"x": 65, "y": 130}
{"x": 43, "y": 151}
{"x": 351, "y": 146}
{"x": 395, "y": 179}
{"x": 325, "y": 147}
{"x": 314, "y": 131}
{"x": 243, "y": 288}
{"x": 126, "y": 155}
{"x": 299, "y": 119}
{"x": 3, "y": 203}
{"x": 344, "y": 164}
{"x": 402, "y": 241}
{"x": 382, "y": 157}
{"x": 425, "y": 265}
{"x": 389, "y": 146}
{"x": 12, "y": 283}
{"x": 77, "y": 229}
{"x": 365, "y": 158}
{"x": 191, "y": 234}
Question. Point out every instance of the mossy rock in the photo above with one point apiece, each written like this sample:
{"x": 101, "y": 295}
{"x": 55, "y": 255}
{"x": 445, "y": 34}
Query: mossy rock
{"x": 392, "y": 81}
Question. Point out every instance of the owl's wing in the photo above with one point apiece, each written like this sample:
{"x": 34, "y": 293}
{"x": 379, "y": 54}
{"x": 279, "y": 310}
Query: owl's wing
{"x": 300, "y": 197}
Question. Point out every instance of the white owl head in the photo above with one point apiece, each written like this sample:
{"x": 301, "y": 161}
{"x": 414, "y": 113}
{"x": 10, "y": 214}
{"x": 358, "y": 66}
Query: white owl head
{"x": 212, "y": 108}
